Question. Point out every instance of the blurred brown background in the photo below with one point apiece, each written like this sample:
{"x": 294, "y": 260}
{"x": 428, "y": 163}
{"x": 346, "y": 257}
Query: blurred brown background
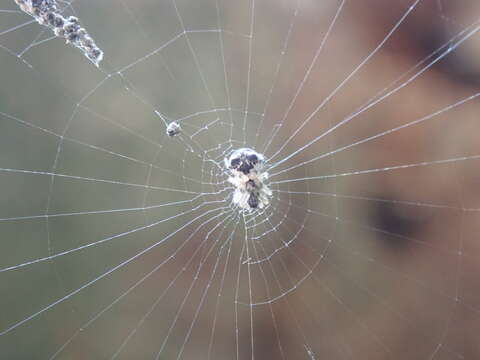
{"x": 381, "y": 264}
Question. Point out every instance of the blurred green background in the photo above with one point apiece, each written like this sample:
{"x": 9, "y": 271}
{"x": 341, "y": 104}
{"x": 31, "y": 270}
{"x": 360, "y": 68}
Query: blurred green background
{"x": 379, "y": 265}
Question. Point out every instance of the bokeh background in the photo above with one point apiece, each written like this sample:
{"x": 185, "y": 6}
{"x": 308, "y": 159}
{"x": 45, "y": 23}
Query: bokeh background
{"x": 380, "y": 265}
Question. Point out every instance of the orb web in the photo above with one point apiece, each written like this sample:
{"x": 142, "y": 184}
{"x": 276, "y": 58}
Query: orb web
{"x": 239, "y": 179}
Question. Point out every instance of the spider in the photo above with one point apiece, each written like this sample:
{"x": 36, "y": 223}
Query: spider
{"x": 246, "y": 172}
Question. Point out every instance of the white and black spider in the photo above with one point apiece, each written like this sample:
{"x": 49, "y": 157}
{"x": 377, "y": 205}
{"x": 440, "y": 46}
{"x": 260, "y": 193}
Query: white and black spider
{"x": 247, "y": 173}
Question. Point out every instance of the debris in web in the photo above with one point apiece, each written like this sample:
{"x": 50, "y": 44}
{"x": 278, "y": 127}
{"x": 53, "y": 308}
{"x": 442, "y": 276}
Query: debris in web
{"x": 173, "y": 129}
{"x": 46, "y": 13}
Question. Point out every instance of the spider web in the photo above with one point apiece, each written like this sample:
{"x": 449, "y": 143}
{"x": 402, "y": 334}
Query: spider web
{"x": 119, "y": 241}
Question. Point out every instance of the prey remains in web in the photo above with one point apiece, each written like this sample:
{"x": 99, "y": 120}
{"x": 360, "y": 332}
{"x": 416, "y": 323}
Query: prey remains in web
{"x": 173, "y": 129}
{"x": 247, "y": 173}
{"x": 46, "y": 13}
